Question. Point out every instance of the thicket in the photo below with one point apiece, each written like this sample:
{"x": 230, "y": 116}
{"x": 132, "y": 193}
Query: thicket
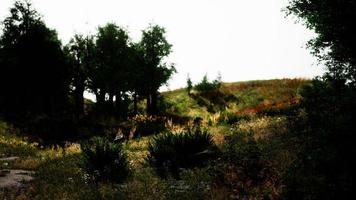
{"x": 326, "y": 133}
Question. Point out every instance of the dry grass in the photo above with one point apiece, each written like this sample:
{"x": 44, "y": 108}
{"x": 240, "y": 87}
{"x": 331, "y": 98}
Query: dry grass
{"x": 264, "y": 127}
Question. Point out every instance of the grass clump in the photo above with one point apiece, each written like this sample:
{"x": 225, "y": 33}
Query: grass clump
{"x": 61, "y": 178}
{"x": 105, "y": 160}
{"x": 169, "y": 152}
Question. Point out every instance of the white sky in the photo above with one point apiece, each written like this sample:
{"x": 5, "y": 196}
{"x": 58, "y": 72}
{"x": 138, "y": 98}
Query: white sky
{"x": 241, "y": 39}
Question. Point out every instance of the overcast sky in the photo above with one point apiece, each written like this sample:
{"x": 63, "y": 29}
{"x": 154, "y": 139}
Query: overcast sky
{"x": 241, "y": 39}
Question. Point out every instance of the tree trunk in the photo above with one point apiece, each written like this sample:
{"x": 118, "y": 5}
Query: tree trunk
{"x": 148, "y": 104}
{"x": 135, "y": 103}
{"x": 79, "y": 90}
{"x": 111, "y": 103}
{"x": 79, "y": 100}
{"x": 154, "y": 103}
{"x": 100, "y": 99}
{"x": 118, "y": 104}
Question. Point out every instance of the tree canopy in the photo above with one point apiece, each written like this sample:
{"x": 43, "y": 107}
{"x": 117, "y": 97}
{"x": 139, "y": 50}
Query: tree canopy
{"x": 80, "y": 52}
{"x": 328, "y": 126}
{"x": 33, "y": 71}
{"x": 155, "y": 48}
{"x": 40, "y": 76}
{"x": 334, "y": 23}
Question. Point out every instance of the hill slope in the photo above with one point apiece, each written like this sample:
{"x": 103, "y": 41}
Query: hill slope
{"x": 239, "y": 98}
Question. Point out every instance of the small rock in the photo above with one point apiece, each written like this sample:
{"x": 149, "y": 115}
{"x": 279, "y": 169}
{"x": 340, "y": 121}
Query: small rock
{"x": 14, "y": 178}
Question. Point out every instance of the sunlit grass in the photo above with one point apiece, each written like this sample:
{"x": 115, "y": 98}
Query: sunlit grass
{"x": 137, "y": 151}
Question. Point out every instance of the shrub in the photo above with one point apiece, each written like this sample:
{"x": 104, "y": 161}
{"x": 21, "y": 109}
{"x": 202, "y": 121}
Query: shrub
{"x": 171, "y": 152}
{"x": 245, "y": 168}
{"x": 206, "y": 86}
{"x": 245, "y": 153}
{"x": 326, "y": 163}
{"x": 214, "y": 101}
{"x": 148, "y": 125}
{"x": 105, "y": 161}
{"x": 212, "y": 96}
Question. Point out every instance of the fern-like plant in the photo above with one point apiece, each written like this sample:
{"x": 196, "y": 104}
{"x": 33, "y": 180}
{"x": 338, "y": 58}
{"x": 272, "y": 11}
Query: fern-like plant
{"x": 105, "y": 161}
{"x": 170, "y": 152}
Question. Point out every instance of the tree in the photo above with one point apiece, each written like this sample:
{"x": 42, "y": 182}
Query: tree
{"x": 335, "y": 43}
{"x": 108, "y": 79}
{"x": 326, "y": 161}
{"x": 80, "y": 54}
{"x": 155, "y": 48}
{"x": 136, "y": 74}
{"x": 33, "y": 72}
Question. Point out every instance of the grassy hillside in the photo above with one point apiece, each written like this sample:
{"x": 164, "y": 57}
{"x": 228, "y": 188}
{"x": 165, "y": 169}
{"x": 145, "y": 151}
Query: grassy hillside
{"x": 243, "y": 98}
{"x": 248, "y": 122}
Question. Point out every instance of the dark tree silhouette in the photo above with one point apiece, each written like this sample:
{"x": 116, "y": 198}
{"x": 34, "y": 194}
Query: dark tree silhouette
{"x": 136, "y": 75}
{"x": 33, "y": 71}
{"x": 334, "y": 23}
{"x": 81, "y": 55}
{"x": 38, "y": 76}
{"x": 155, "y": 48}
{"x": 112, "y": 60}
{"x": 326, "y": 165}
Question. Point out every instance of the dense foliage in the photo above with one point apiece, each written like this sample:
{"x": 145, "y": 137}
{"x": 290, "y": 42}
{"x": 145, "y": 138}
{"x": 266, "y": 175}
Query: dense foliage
{"x": 334, "y": 23}
{"x": 325, "y": 166}
{"x": 324, "y": 170}
{"x": 205, "y": 86}
{"x": 43, "y": 83}
{"x": 105, "y": 160}
{"x": 155, "y": 49}
{"x": 33, "y": 70}
{"x": 170, "y": 152}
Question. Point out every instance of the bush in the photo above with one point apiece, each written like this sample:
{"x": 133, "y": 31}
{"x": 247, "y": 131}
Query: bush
{"x": 244, "y": 152}
{"x": 105, "y": 161}
{"x": 245, "y": 168}
{"x": 148, "y": 125}
{"x": 212, "y": 96}
{"x": 206, "y": 86}
{"x": 326, "y": 163}
{"x": 169, "y": 152}
{"x": 214, "y": 101}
